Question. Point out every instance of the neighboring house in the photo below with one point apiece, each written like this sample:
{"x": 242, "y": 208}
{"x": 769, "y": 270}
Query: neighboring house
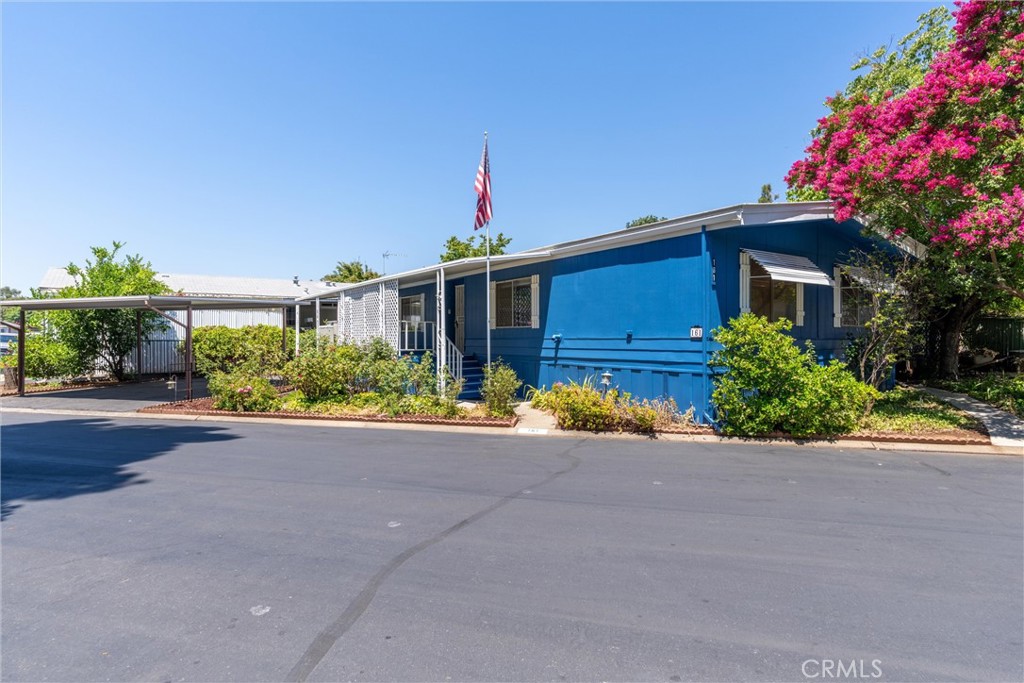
{"x": 160, "y": 350}
{"x": 638, "y": 303}
{"x": 8, "y": 335}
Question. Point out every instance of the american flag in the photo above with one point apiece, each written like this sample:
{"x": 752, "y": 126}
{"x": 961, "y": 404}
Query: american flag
{"x": 483, "y": 190}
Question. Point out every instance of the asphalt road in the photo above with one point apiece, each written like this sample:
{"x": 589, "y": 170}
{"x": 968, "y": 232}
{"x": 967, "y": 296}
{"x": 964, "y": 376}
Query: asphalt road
{"x": 151, "y": 550}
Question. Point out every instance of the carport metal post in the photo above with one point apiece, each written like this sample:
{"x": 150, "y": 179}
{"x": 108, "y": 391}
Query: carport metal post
{"x": 297, "y": 328}
{"x": 21, "y": 352}
{"x": 138, "y": 345}
{"x": 188, "y": 353}
{"x": 284, "y": 329}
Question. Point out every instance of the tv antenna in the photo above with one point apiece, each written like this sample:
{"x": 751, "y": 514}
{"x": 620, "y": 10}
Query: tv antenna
{"x": 385, "y": 256}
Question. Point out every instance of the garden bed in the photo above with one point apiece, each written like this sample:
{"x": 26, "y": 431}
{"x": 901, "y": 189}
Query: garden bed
{"x": 204, "y": 406}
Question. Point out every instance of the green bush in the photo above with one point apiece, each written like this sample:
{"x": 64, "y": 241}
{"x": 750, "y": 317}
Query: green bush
{"x": 370, "y": 375}
{"x": 635, "y": 417}
{"x": 499, "y": 389}
{"x": 325, "y": 372}
{"x": 243, "y": 393}
{"x": 255, "y": 349}
{"x": 47, "y": 358}
{"x": 770, "y": 385}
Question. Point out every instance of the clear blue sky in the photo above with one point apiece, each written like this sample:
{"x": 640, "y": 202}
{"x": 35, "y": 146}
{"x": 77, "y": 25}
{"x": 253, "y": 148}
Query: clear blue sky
{"x": 273, "y": 140}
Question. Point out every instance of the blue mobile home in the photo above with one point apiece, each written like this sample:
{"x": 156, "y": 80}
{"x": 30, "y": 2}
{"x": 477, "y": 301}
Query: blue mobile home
{"x": 638, "y": 303}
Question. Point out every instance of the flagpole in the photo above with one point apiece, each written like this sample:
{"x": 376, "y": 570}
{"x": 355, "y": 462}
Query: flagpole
{"x": 487, "y": 284}
{"x": 487, "y": 288}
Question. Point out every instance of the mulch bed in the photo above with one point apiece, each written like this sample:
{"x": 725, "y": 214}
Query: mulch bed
{"x": 692, "y": 430}
{"x": 204, "y": 406}
{"x": 957, "y": 437}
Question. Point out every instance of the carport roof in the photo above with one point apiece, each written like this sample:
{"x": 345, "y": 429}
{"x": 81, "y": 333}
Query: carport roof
{"x": 161, "y": 302}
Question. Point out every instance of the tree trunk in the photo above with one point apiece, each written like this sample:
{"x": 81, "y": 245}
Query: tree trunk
{"x": 951, "y": 328}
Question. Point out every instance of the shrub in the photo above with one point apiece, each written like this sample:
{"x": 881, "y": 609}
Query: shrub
{"x": 499, "y": 389}
{"x": 325, "y": 372}
{"x": 669, "y": 415}
{"x": 634, "y": 417}
{"x": 47, "y": 358}
{"x": 255, "y": 349}
{"x": 241, "y": 392}
{"x": 770, "y": 385}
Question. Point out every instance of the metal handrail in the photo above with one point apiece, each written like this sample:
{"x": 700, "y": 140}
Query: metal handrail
{"x": 453, "y": 358}
{"x": 415, "y": 335}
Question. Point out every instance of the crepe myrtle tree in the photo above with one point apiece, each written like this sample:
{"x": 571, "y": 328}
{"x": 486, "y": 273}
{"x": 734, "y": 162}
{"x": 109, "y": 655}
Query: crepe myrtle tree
{"x": 107, "y": 336}
{"x": 942, "y": 162}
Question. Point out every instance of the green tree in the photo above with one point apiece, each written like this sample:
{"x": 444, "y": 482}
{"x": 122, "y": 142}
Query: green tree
{"x": 455, "y": 249}
{"x": 351, "y": 271}
{"x": 644, "y": 220}
{"x": 107, "y": 336}
{"x": 927, "y": 144}
{"x": 766, "y": 195}
{"x": 7, "y": 293}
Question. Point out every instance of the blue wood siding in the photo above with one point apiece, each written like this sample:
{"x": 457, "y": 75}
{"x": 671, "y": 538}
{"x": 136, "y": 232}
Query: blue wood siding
{"x": 629, "y": 310}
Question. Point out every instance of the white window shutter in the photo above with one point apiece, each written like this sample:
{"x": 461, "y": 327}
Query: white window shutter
{"x": 837, "y": 297}
{"x": 744, "y": 282}
{"x": 799, "y": 304}
{"x": 494, "y": 305}
{"x": 535, "y": 302}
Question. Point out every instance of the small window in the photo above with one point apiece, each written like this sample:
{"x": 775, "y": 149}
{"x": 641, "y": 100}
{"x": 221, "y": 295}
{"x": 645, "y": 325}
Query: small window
{"x": 857, "y": 303}
{"x": 513, "y": 303}
{"x": 412, "y": 308}
{"x": 854, "y": 303}
{"x": 771, "y": 298}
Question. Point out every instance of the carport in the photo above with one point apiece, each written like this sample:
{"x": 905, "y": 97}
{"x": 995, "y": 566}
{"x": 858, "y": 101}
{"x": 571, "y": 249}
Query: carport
{"x": 160, "y": 305}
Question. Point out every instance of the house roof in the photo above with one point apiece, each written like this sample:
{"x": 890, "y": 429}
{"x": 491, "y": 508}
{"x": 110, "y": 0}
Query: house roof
{"x": 716, "y": 219}
{"x": 56, "y": 279}
{"x": 147, "y": 301}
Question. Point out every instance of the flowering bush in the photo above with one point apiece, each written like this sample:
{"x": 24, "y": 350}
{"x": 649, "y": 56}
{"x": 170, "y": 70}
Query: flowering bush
{"x": 942, "y": 162}
{"x": 243, "y": 393}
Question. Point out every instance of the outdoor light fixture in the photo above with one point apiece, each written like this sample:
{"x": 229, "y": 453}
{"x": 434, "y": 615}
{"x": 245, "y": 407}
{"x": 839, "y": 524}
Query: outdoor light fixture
{"x": 172, "y": 383}
{"x": 557, "y": 338}
{"x": 606, "y": 381}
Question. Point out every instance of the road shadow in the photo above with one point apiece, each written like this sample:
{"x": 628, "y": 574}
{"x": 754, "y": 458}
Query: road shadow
{"x": 57, "y": 459}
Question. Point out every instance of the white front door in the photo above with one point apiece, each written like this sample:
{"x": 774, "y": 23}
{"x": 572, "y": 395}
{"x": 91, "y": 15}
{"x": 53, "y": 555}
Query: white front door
{"x": 460, "y": 318}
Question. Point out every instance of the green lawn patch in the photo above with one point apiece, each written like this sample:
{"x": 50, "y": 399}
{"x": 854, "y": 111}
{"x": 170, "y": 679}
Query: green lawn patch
{"x": 909, "y": 411}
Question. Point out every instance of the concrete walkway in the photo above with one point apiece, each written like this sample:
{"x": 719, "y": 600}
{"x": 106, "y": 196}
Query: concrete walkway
{"x": 1004, "y": 429}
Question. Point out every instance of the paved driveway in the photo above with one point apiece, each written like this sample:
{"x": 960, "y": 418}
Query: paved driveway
{"x": 121, "y": 398}
{"x": 151, "y": 550}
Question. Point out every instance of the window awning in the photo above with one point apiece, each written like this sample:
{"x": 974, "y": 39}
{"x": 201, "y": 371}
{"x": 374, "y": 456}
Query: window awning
{"x": 790, "y": 268}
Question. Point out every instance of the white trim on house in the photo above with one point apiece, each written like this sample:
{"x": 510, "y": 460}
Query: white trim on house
{"x": 717, "y": 219}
